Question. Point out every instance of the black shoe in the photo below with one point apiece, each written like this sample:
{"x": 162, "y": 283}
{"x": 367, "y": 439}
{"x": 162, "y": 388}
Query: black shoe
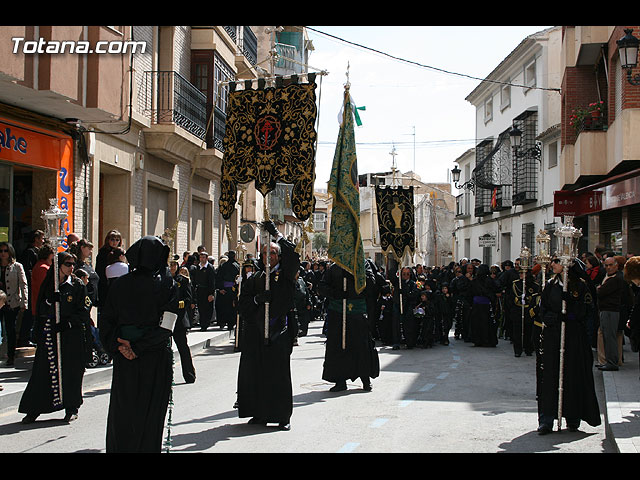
{"x": 70, "y": 417}
{"x": 367, "y": 386}
{"x": 572, "y": 428}
{"x": 608, "y": 368}
{"x": 29, "y": 419}
{"x": 544, "y": 429}
{"x": 286, "y": 426}
{"x": 338, "y": 387}
{"x": 518, "y": 354}
{"x": 257, "y": 421}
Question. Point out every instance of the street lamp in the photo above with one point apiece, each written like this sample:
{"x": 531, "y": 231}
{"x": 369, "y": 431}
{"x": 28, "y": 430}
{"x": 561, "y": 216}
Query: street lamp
{"x": 455, "y": 176}
{"x": 628, "y": 51}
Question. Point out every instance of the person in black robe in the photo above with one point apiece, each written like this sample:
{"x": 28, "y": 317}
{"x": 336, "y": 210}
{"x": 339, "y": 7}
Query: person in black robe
{"x": 375, "y": 282}
{"x": 579, "y": 396}
{"x": 227, "y": 294}
{"x": 359, "y": 358}
{"x": 405, "y": 294}
{"x": 183, "y": 299}
{"x": 461, "y": 290}
{"x": 131, "y": 332}
{"x": 523, "y": 341}
{"x": 42, "y": 394}
{"x": 482, "y": 323}
{"x": 265, "y": 392}
{"x": 204, "y": 283}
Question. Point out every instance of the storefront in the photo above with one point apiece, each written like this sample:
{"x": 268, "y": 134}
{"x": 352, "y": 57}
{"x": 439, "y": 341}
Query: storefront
{"x": 608, "y": 213}
{"x": 36, "y": 164}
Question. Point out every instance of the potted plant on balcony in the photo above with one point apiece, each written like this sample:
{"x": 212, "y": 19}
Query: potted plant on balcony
{"x": 596, "y": 108}
{"x": 582, "y": 117}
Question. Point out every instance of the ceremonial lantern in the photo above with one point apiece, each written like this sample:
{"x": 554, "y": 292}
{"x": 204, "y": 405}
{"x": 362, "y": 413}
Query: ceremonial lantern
{"x": 568, "y": 237}
{"x": 53, "y": 218}
{"x": 525, "y": 258}
{"x": 543, "y": 240}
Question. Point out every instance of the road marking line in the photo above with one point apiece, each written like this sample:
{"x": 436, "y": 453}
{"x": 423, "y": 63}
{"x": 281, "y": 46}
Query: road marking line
{"x": 453, "y": 365}
{"x": 427, "y": 387}
{"x": 404, "y": 403}
{"x": 443, "y": 375}
{"x": 456, "y": 358}
{"x": 378, "y": 422}
{"x": 348, "y": 447}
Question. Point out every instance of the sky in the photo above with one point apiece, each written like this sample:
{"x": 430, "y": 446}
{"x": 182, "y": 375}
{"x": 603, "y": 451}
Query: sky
{"x": 420, "y": 112}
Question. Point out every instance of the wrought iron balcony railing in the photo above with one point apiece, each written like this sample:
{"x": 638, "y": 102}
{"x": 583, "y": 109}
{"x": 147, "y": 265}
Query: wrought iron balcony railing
{"x": 171, "y": 98}
{"x": 247, "y": 42}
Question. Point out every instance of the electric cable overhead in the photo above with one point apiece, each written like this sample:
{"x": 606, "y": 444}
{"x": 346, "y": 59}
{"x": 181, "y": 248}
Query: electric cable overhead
{"x": 448, "y": 72}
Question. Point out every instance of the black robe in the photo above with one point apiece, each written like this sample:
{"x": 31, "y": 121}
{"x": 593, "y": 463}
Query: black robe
{"x": 140, "y": 388}
{"x": 264, "y": 374}
{"x": 226, "y": 278}
{"x": 483, "y": 324}
{"x": 579, "y": 396}
{"x": 523, "y": 341}
{"x": 40, "y": 396}
{"x": 359, "y": 358}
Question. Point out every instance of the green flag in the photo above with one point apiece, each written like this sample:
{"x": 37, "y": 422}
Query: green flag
{"x": 345, "y": 241}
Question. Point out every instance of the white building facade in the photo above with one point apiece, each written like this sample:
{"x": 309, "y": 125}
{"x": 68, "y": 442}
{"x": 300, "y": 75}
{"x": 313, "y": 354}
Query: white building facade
{"x": 505, "y": 193}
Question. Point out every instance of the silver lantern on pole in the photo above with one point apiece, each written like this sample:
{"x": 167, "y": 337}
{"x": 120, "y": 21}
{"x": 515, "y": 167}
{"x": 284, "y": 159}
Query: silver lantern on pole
{"x": 525, "y": 264}
{"x": 54, "y": 220}
{"x": 568, "y": 237}
{"x": 543, "y": 241}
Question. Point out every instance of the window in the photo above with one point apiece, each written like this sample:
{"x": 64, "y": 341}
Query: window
{"x": 553, "y": 154}
{"x": 319, "y": 222}
{"x": 528, "y": 237}
{"x": 488, "y": 109}
{"x": 505, "y": 97}
{"x": 530, "y": 74}
{"x": 222, "y": 73}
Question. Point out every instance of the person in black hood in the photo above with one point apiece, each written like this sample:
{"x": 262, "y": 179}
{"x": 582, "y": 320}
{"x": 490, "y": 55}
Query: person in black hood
{"x": 135, "y": 329}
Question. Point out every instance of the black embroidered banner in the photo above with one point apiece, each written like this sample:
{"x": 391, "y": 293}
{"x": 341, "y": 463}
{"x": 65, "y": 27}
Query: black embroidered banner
{"x": 270, "y": 138}
{"x": 396, "y": 220}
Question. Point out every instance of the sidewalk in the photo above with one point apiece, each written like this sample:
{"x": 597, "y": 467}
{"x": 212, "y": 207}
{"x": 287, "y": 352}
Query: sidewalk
{"x": 622, "y": 388}
{"x": 14, "y": 379}
{"x": 622, "y": 392}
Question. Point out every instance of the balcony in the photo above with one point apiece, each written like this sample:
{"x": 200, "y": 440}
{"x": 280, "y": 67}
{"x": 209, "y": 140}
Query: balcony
{"x": 178, "y": 115}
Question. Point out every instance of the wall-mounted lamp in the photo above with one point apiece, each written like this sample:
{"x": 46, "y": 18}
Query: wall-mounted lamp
{"x": 628, "y": 51}
{"x": 455, "y": 176}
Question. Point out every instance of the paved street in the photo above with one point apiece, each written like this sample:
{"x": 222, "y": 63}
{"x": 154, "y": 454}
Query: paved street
{"x": 455, "y": 398}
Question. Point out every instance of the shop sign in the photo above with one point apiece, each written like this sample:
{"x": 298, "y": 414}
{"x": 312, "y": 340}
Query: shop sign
{"x": 36, "y": 147}
{"x": 487, "y": 240}
{"x": 567, "y": 202}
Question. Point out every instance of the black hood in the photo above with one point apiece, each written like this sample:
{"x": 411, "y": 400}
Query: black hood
{"x": 149, "y": 253}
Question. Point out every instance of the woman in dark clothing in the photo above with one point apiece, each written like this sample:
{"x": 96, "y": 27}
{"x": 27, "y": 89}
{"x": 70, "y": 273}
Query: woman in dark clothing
{"x": 43, "y": 394}
{"x": 131, "y": 332}
{"x": 483, "y": 324}
{"x": 579, "y": 400}
{"x": 111, "y": 241}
